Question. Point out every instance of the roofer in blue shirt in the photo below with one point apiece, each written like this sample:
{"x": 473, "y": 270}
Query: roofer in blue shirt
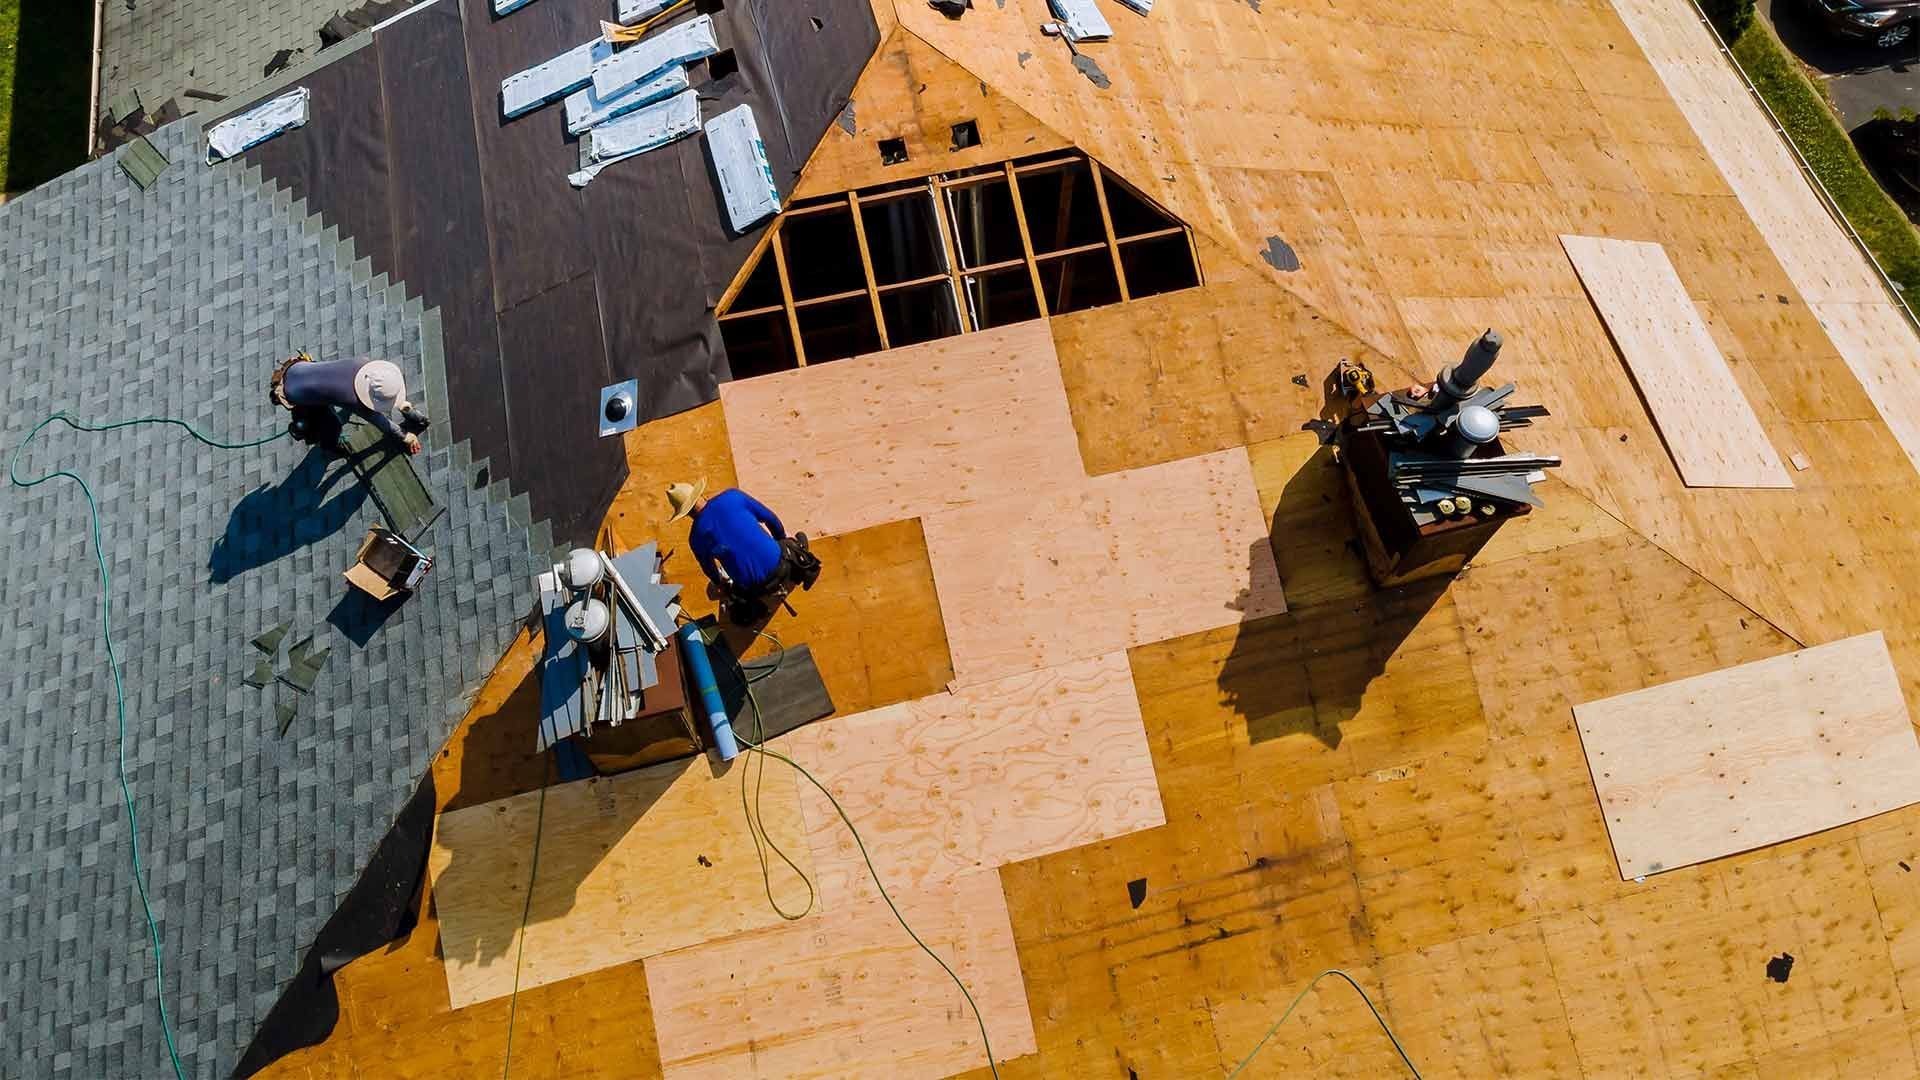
{"x": 743, "y": 549}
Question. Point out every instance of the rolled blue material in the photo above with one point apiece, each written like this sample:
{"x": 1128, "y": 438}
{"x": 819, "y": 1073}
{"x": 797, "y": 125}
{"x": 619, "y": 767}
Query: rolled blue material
{"x": 696, "y": 649}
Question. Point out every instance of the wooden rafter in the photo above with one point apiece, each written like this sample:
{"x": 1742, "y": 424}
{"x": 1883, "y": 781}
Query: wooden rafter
{"x": 866, "y": 267}
{"x": 1026, "y": 240}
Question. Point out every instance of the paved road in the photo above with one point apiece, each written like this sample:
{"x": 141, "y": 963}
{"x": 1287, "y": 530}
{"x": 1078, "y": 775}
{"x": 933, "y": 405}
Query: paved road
{"x": 1860, "y": 77}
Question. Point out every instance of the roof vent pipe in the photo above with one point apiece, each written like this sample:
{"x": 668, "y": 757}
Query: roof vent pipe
{"x": 1459, "y": 381}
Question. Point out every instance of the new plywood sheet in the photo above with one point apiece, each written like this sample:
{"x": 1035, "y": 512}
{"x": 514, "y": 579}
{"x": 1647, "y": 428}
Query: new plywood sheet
{"x": 1116, "y": 561}
{"x": 1878, "y": 345}
{"x": 1709, "y": 428}
{"x": 1751, "y": 755}
{"x": 848, "y": 993}
{"x": 911, "y": 431}
{"x": 631, "y": 865}
{"x": 987, "y": 775}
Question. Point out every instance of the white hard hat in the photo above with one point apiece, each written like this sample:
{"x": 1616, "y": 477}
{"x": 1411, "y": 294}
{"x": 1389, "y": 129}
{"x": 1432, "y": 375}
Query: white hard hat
{"x": 584, "y": 568}
{"x": 587, "y": 619}
{"x": 379, "y": 385}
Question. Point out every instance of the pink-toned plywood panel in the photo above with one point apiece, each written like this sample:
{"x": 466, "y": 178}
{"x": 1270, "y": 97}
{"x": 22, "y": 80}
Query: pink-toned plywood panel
{"x": 1117, "y": 561}
{"x": 911, "y": 431}
{"x": 990, "y": 774}
{"x": 847, "y": 993}
{"x": 1751, "y": 755}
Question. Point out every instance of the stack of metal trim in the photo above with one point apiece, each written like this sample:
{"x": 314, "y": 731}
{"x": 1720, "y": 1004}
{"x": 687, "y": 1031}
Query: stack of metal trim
{"x": 1443, "y": 453}
{"x": 604, "y": 619}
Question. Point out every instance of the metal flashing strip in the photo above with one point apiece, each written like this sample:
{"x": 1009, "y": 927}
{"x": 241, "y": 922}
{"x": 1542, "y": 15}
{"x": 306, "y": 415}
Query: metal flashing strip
{"x": 632, "y": 11}
{"x": 391, "y": 19}
{"x": 503, "y": 7}
{"x": 527, "y": 90}
{"x": 740, "y": 163}
{"x": 682, "y": 44}
{"x": 1081, "y": 20}
{"x": 586, "y": 108}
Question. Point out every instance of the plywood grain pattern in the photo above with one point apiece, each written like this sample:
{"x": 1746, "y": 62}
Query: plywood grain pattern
{"x": 1751, "y": 755}
{"x": 912, "y": 431}
{"x": 991, "y": 774}
{"x": 1674, "y": 975}
{"x": 848, "y": 993}
{"x": 1120, "y": 560}
{"x": 630, "y": 866}
{"x": 1714, "y": 436}
{"x": 1618, "y": 614}
{"x": 911, "y": 92}
{"x": 1200, "y": 370}
{"x": 1315, "y": 695}
{"x": 1880, "y": 346}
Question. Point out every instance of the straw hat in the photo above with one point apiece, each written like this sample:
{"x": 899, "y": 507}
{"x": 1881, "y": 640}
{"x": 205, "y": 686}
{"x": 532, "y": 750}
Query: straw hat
{"x": 683, "y": 496}
{"x": 379, "y": 385}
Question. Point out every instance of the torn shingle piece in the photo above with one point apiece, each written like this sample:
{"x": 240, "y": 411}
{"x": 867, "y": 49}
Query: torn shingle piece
{"x": 304, "y": 671}
{"x": 283, "y": 715}
{"x": 261, "y": 676}
{"x": 269, "y": 640}
{"x": 141, "y": 162}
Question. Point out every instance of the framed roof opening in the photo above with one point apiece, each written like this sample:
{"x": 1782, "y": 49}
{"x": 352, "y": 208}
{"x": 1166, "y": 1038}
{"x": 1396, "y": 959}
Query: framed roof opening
{"x": 914, "y": 261}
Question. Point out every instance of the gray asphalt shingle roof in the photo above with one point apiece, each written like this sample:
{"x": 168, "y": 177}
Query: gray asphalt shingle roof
{"x": 179, "y": 300}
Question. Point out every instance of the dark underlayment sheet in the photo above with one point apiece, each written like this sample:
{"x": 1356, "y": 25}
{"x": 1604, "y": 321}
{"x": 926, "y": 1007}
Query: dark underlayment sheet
{"x": 406, "y": 152}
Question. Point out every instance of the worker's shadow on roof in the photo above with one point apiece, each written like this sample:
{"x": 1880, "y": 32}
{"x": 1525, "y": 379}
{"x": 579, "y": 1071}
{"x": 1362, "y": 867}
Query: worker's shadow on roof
{"x": 313, "y": 502}
{"x": 1312, "y": 670}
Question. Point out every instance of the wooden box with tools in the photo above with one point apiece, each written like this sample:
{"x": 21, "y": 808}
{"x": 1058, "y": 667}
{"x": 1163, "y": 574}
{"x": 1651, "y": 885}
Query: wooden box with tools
{"x": 387, "y": 565}
{"x": 663, "y": 731}
{"x": 1398, "y": 549}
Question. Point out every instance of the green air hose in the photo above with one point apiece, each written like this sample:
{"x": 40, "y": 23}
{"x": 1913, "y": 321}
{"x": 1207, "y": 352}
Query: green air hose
{"x": 113, "y": 665}
{"x": 750, "y": 807}
{"x": 756, "y": 747}
{"x": 1302, "y": 996}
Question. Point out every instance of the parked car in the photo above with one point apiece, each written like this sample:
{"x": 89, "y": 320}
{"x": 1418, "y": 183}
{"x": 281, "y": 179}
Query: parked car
{"x": 1885, "y": 24}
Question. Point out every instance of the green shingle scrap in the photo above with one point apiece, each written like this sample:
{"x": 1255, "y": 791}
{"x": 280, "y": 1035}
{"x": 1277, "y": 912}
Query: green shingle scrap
{"x": 261, "y": 676}
{"x": 269, "y": 640}
{"x": 141, "y": 162}
{"x": 383, "y": 466}
{"x": 283, "y": 715}
{"x": 304, "y": 669}
{"x": 123, "y": 104}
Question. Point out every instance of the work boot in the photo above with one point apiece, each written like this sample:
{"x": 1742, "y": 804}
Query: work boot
{"x": 413, "y": 421}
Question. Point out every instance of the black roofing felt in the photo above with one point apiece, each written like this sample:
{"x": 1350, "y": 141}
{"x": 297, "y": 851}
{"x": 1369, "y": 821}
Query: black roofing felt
{"x": 179, "y": 300}
{"x": 406, "y": 149}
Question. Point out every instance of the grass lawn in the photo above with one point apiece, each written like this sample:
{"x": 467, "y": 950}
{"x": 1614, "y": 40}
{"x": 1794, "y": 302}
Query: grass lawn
{"x": 1824, "y": 143}
{"x": 46, "y": 64}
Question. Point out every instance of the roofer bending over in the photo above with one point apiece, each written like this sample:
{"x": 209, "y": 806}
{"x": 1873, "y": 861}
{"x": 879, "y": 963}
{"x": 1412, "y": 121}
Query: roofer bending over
{"x": 743, "y": 549}
{"x": 371, "y": 389}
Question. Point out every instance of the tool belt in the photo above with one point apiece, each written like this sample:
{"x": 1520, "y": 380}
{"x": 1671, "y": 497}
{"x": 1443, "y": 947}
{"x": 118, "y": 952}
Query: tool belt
{"x": 278, "y": 391}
